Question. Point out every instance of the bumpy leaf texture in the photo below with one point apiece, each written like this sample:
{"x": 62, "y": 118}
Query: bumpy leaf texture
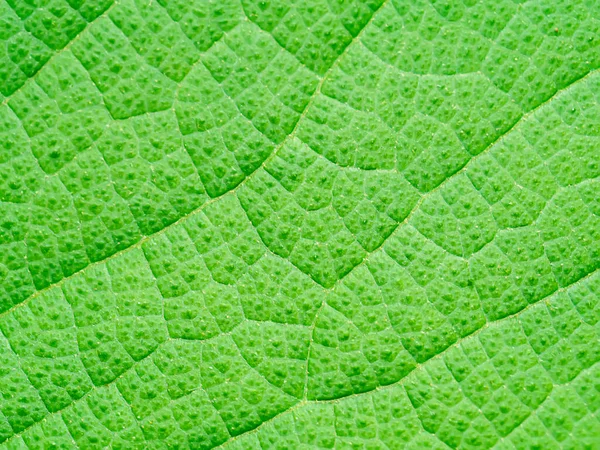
{"x": 299, "y": 224}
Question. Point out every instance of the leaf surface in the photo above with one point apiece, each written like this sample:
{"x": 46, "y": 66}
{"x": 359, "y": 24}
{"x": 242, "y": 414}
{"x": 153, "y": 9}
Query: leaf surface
{"x": 312, "y": 224}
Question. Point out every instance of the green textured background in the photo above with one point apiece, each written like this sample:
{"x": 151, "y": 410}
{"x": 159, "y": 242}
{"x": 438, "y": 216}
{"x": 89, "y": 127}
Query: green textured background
{"x": 298, "y": 224}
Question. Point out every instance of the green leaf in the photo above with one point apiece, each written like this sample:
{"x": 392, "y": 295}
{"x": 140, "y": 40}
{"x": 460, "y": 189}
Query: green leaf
{"x": 299, "y": 224}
